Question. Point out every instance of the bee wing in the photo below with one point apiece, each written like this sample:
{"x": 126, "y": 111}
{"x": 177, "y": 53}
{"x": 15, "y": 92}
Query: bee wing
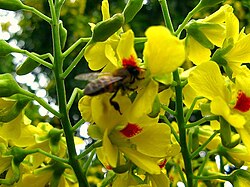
{"x": 90, "y": 76}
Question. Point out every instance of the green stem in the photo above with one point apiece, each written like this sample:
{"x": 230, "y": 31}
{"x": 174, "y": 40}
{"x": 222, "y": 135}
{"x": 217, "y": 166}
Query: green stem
{"x": 202, "y": 120}
{"x": 61, "y": 96}
{"x": 211, "y": 177}
{"x": 165, "y": 119}
{"x": 89, "y": 149}
{"x": 48, "y": 155}
{"x": 87, "y": 164}
{"x": 41, "y": 102}
{"x": 186, "y": 20}
{"x": 164, "y": 107}
{"x": 37, "y": 59}
{"x": 196, "y": 152}
{"x": 75, "y": 62}
{"x": 140, "y": 40}
{"x": 166, "y": 15}
{"x": 72, "y": 47}
{"x": 72, "y": 97}
{"x": 182, "y": 130}
{"x": 181, "y": 174}
{"x": 190, "y": 111}
{"x": 77, "y": 125}
{"x": 38, "y": 13}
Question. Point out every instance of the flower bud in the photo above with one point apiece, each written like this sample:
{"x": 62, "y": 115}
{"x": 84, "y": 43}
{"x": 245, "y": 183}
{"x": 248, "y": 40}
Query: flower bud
{"x": 29, "y": 65}
{"x": 8, "y": 85}
{"x": 6, "y": 48}
{"x": 104, "y": 29}
{"x": 131, "y": 9}
{"x": 63, "y": 35}
{"x": 55, "y": 137}
{"x": 11, "y": 5}
{"x": 155, "y": 108}
{"x": 11, "y": 107}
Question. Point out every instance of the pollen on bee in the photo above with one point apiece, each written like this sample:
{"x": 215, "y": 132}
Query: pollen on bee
{"x": 131, "y": 130}
{"x": 243, "y": 102}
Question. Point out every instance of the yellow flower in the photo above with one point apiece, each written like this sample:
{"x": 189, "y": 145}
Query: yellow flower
{"x": 229, "y": 100}
{"x": 135, "y": 138}
{"x": 163, "y": 52}
{"x": 203, "y": 34}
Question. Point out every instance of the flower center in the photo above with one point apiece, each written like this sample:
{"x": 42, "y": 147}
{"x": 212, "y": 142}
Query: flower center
{"x": 130, "y": 63}
{"x": 243, "y": 102}
{"x": 131, "y": 130}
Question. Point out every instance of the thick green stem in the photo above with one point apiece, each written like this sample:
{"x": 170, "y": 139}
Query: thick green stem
{"x": 182, "y": 130}
{"x": 166, "y": 15}
{"x": 61, "y": 95}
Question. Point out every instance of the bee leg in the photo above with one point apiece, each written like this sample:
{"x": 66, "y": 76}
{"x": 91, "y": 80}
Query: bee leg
{"x": 114, "y": 103}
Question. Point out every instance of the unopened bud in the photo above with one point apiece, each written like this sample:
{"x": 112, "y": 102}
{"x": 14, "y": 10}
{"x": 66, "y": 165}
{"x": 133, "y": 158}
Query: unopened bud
{"x": 6, "y": 48}
{"x": 11, "y": 107}
{"x": 131, "y": 9}
{"x": 63, "y": 35}
{"x": 8, "y": 85}
{"x": 104, "y": 29}
{"x": 11, "y": 5}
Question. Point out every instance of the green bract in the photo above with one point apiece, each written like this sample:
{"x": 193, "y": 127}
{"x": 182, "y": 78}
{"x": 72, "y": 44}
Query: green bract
{"x": 131, "y": 9}
{"x": 104, "y": 29}
{"x": 11, "y": 5}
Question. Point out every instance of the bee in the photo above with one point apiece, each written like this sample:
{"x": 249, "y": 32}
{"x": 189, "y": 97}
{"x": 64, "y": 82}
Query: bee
{"x": 120, "y": 79}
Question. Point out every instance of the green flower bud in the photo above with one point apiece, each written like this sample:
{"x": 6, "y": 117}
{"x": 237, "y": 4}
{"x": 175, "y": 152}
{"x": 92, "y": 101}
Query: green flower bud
{"x": 29, "y": 65}
{"x": 63, "y": 35}
{"x": 193, "y": 29}
{"x": 104, "y": 29}
{"x": 131, "y": 9}
{"x": 11, "y": 107}
{"x": 8, "y": 85}
{"x": 156, "y": 108}
{"x": 226, "y": 135}
{"x": 55, "y": 136}
{"x": 11, "y": 5}
{"x": 6, "y": 48}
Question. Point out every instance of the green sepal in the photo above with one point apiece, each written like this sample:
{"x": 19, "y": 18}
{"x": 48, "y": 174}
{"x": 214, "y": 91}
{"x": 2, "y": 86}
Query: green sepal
{"x": 6, "y": 48}
{"x": 11, "y": 5}
{"x": 8, "y": 85}
{"x": 63, "y": 35}
{"x": 226, "y": 135}
{"x": 194, "y": 133}
{"x": 54, "y": 138}
{"x": 131, "y": 9}
{"x": 156, "y": 108}
{"x": 193, "y": 29}
{"x": 9, "y": 113}
{"x": 104, "y": 29}
{"x": 29, "y": 65}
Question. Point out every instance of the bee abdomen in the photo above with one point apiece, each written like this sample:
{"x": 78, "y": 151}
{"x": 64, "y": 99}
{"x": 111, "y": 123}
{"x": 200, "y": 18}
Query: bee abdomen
{"x": 99, "y": 86}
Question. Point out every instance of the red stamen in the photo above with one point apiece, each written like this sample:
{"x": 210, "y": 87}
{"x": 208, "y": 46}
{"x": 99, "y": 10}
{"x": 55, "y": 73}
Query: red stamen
{"x": 130, "y": 62}
{"x": 243, "y": 102}
{"x": 131, "y": 130}
{"x": 162, "y": 163}
{"x": 108, "y": 167}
